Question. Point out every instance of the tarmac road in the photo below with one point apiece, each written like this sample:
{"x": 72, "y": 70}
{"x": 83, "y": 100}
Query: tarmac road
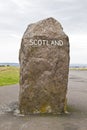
{"x": 76, "y": 119}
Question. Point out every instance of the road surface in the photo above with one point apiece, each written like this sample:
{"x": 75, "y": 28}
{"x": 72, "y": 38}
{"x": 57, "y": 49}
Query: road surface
{"x": 76, "y": 119}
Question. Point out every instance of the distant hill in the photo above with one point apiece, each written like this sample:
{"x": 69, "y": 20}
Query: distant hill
{"x": 9, "y": 64}
{"x": 71, "y": 65}
{"x": 78, "y": 65}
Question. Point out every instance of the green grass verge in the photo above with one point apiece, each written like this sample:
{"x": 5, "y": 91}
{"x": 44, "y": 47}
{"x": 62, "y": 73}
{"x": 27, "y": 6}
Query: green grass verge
{"x": 9, "y": 75}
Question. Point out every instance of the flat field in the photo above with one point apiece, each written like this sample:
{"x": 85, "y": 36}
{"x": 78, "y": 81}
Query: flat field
{"x": 9, "y": 75}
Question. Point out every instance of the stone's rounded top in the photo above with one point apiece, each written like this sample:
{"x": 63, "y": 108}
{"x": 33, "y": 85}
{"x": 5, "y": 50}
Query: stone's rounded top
{"x": 49, "y": 27}
{"x": 49, "y": 22}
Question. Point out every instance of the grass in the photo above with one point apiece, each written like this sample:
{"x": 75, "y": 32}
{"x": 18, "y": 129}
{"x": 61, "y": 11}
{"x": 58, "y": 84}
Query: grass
{"x": 9, "y": 75}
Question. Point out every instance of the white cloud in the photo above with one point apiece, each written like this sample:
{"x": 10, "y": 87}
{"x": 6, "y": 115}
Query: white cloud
{"x": 78, "y": 48}
{"x": 9, "y": 49}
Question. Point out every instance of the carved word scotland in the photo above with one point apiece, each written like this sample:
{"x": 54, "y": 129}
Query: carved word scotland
{"x": 41, "y": 42}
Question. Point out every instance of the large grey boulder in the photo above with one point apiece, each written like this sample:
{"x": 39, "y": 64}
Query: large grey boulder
{"x": 44, "y": 67}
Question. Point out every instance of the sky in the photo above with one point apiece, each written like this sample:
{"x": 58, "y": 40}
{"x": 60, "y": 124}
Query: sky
{"x": 16, "y": 15}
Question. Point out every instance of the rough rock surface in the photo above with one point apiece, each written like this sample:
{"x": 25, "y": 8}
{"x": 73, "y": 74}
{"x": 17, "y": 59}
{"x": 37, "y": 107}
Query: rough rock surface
{"x": 44, "y": 68}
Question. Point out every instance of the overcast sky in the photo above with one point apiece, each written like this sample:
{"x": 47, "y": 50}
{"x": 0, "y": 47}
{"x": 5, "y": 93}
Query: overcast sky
{"x": 15, "y": 15}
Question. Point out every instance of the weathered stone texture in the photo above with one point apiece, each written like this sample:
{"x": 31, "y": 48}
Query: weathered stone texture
{"x": 43, "y": 69}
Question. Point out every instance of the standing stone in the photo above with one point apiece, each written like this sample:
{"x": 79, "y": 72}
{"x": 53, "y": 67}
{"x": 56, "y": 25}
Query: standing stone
{"x": 44, "y": 67}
